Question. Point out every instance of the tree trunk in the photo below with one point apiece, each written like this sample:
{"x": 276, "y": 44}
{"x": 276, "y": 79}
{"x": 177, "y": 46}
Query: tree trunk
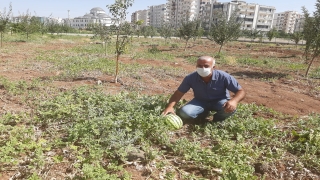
{"x": 220, "y": 48}
{"x": 1, "y": 38}
{"x": 105, "y": 48}
{"x": 117, "y": 68}
{"x": 306, "y": 55}
{"x": 307, "y": 72}
{"x": 185, "y": 47}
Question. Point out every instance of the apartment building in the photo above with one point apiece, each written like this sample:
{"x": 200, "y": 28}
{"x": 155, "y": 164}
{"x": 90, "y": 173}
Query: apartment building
{"x": 210, "y": 12}
{"x": 158, "y": 15}
{"x": 287, "y": 21}
{"x": 143, "y": 15}
{"x": 254, "y": 16}
{"x": 299, "y": 24}
{"x": 182, "y": 10}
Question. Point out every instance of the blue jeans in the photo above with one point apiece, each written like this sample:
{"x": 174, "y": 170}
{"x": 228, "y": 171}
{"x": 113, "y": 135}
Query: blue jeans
{"x": 196, "y": 109}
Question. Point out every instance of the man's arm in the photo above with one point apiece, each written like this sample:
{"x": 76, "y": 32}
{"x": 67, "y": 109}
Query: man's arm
{"x": 175, "y": 98}
{"x": 231, "y": 105}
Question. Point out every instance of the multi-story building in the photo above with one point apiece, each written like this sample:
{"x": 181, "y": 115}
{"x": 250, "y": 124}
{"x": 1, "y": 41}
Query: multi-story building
{"x": 183, "y": 10}
{"x": 211, "y": 11}
{"x": 254, "y": 16}
{"x": 141, "y": 15}
{"x": 96, "y": 15}
{"x": 286, "y": 21}
{"x": 158, "y": 15}
{"x": 299, "y": 24}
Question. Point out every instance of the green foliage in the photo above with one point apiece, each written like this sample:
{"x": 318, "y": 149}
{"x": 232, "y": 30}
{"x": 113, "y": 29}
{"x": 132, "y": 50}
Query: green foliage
{"x": 166, "y": 31}
{"x": 271, "y": 34}
{"x": 156, "y": 55}
{"x": 252, "y": 34}
{"x": 95, "y": 132}
{"x": 103, "y": 32}
{"x": 137, "y": 27}
{"x": 273, "y": 63}
{"x": 148, "y": 31}
{"x": 315, "y": 73}
{"x": 311, "y": 33}
{"x": 189, "y": 30}
{"x": 4, "y": 20}
{"x": 28, "y": 24}
{"x": 296, "y": 37}
{"x": 282, "y": 34}
{"x": 174, "y": 46}
{"x": 154, "y": 49}
{"x": 224, "y": 30}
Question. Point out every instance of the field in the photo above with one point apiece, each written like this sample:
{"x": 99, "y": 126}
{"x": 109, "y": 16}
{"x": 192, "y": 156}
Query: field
{"x": 63, "y": 117}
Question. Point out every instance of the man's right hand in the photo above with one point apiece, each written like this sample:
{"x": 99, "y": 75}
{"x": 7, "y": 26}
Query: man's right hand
{"x": 168, "y": 110}
{"x": 172, "y": 102}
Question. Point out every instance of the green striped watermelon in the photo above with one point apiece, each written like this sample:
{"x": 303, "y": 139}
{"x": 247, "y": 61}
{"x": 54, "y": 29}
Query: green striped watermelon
{"x": 174, "y": 121}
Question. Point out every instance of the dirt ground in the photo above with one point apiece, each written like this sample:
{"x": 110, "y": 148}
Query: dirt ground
{"x": 296, "y": 97}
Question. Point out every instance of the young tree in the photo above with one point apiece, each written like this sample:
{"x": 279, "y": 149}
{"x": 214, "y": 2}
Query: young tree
{"x": 253, "y": 34}
{"x": 137, "y": 27}
{"x": 119, "y": 12}
{"x": 223, "y": 30}
{"x": 296, "y": 37}
{"x": 145, "y": 31}
{"x": 4, "y": 20}
{"x": 188, "y": 30}
{"x": 53, "y": 26}
{"x": 43, "y": 27}
{"x": 272, "y": 34}
{"x": 200, "y": 32}
{"x": 153, "y": 31}
{"x": 28, "y": 24}
{"x": 166, "y": 31}
{"x": 103, "y": 32}
{"x": 311, "y": 33}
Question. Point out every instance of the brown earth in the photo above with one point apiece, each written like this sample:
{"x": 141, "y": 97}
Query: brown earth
{"x": 295, "y": 96}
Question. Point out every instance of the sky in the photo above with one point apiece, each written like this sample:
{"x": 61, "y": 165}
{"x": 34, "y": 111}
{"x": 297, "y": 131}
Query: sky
{"x": 59, "y": 8}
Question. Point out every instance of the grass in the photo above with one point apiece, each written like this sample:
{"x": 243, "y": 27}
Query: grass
{"x": 95, "y": 129}
{"x": 316, "y": 73}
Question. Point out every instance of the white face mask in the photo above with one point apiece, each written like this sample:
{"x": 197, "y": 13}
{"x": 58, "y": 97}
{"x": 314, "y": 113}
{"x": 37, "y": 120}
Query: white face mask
{"x": 204, "y": 72}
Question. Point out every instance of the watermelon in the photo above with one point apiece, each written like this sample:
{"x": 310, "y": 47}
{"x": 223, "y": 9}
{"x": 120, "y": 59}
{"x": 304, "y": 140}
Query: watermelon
{"x": 173, "y": 121}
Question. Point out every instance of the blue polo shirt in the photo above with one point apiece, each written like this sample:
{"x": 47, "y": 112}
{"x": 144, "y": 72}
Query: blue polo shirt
{"x": 216, "y": 89}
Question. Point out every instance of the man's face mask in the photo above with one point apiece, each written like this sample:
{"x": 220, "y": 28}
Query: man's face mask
{"x": 204, "y": 72}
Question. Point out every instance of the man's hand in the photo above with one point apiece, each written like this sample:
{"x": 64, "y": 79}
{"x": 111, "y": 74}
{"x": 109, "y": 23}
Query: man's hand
{"x": 175, "y": 98}
{"x": 167, "y": 111}
{"x": 230, "y": 106}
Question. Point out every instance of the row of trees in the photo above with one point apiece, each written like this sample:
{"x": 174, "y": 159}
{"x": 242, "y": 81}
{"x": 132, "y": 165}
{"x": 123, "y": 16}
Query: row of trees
{"x": 29, "y": 24}
{"x": 222, "y": 30}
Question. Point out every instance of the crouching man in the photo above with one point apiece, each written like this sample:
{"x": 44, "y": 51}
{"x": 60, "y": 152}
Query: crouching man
{"x": 211, "y": 93}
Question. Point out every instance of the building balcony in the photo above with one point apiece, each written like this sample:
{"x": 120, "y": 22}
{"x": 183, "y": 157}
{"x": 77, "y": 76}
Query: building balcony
{"x": 263, "y": 23}
{"x": 248, "y": 10}
{"x": 249, "y": 16}
{"x": 248, "y": 22}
